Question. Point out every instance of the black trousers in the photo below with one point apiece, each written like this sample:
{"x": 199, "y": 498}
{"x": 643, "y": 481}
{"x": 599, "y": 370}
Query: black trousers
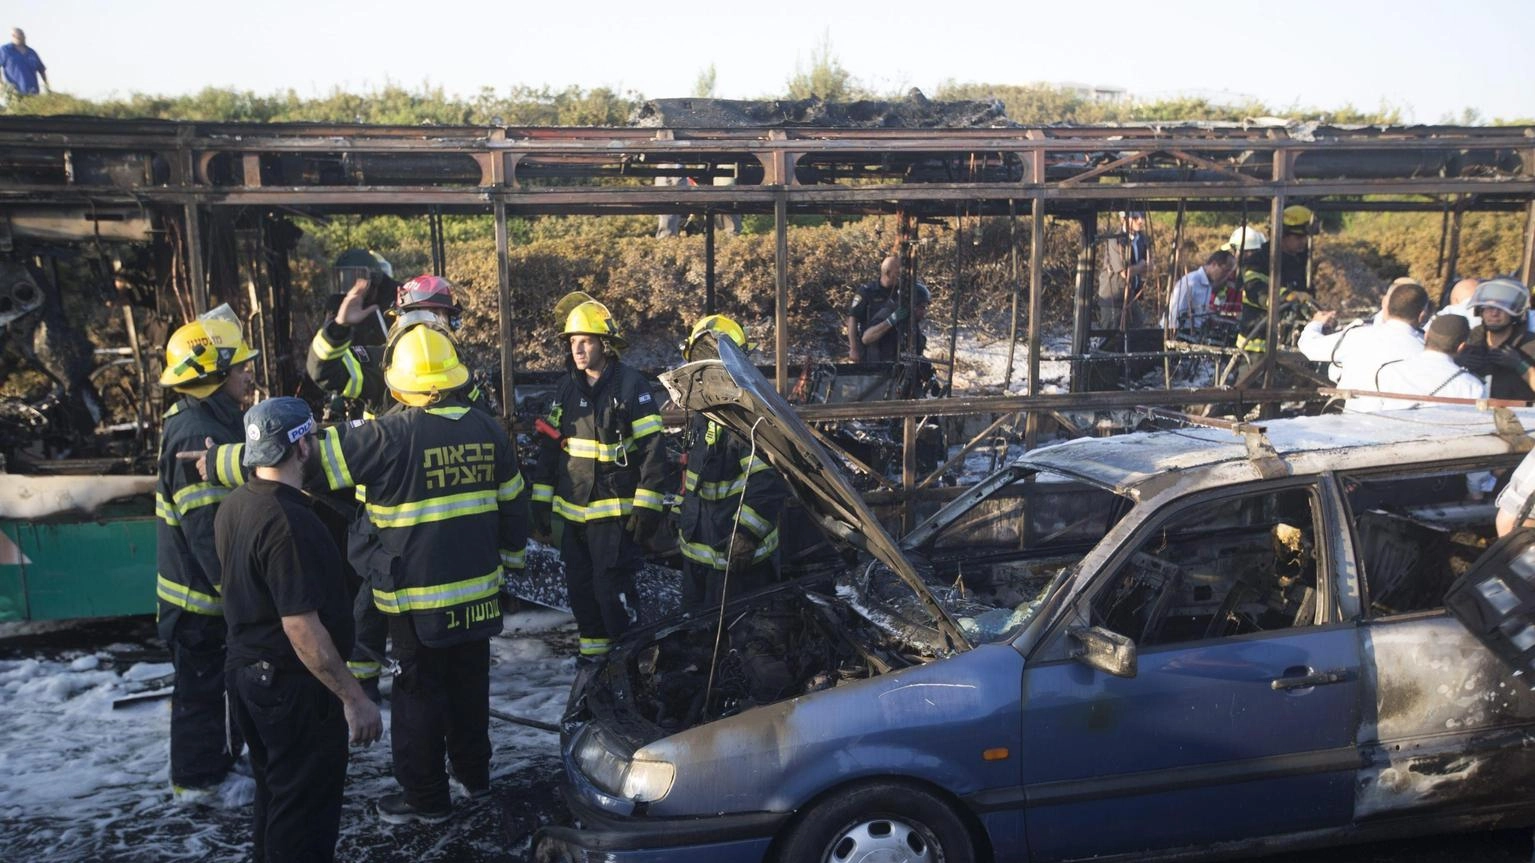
{"x": 440, "y": 709}
{"x": 372, "y": 633}
{"x": 204, "y": 739}
{"x": 600, "y": 562}
{"x": 704, "y": 585}
{"x": 297, "y": 733}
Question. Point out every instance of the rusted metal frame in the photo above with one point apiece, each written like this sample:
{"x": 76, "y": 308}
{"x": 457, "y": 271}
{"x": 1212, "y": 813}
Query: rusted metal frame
{"x": 1012, "y": 260}
{"x": 1105, "y": 168}
{"x": 781, "y": 292}
{"x": 839, "y": 451}
{"x": 1527, "y": 262}
{"x": 1209, "y": 165}
{"x": 1452, "y": 257}
{"x": 1082, "y": 294}
{"x": 1170, "y": 328}
{"x": 965, "y": 450}
{"x": 1045, "y": 402}
{"x": 959, "y": 274}
{"x": 908, "y": 467}
{"x": 505, "y": 303}
{"x": 1036, "y": 309}
{"x": 1283, "y": 162}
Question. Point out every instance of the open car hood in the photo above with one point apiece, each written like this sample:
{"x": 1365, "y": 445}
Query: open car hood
{"x": 730, "y": 391}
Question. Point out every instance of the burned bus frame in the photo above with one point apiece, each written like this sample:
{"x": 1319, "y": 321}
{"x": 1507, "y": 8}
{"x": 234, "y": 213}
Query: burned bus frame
{"x": 188, "y": 173}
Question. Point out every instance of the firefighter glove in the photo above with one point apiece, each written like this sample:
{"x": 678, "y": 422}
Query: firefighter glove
{"x": 642, "y": 524}
{"x": 1509, "y": 360}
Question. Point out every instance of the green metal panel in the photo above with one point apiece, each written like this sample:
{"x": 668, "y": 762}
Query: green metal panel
{"x": 60, "y": 570}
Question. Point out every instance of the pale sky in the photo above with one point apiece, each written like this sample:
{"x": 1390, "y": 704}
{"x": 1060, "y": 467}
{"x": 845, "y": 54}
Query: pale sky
{"x": 1428, "y": 59}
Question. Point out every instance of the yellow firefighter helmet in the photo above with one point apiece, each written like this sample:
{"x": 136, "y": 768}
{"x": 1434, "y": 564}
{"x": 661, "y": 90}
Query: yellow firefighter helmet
{"x": 719, "y": 324}
{"x": 423, "y": 365}
{"x": 200, "y": 354}
{"x": 592, "y": 318}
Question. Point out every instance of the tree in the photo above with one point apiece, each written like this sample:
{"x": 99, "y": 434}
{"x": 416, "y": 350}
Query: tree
{"x": 703, "y": 85}
{"x": 826, "y": 78}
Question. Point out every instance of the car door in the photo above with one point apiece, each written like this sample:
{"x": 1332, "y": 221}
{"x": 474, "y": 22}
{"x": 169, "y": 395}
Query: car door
{"x": 1240, "y": 719}
{"x": 1447, "y": 724}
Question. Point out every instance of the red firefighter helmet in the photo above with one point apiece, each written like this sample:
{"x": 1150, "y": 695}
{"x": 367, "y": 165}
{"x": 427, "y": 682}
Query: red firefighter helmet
{"x": 427, "y": 292}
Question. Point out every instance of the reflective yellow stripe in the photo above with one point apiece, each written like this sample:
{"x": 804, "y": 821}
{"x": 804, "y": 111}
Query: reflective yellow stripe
{"x": 597, "y": 509}
{"x": 325, "y": 350}
{"x": 647, "y": 499}
{"x": 361, "y": 493}
{"x": 707, "y": 555}
{"x": 227, "y": 469}
{"x": 165, "y": 512}
{"x": 451, "y": 413}
{"x": 353, "y": 387}
{"x": 543, "y": 493}
{"x": 437, "y": 596}
{"x": 364, "y": 670}
{"x": 513, "y": 559}
{"x": 511, "y": 489}
{"x": 333, "y": 460}
{"x": 185, "y": 597}
{"x": 715, "y": 490}
{"x": 432, "y": 509}
{"x": 596, "y": 646}
{"x": 580, "y": 447}
{"x": 751, "y": 464}
{"x": 198, "y": 494}
{"x": 646, "y": 426}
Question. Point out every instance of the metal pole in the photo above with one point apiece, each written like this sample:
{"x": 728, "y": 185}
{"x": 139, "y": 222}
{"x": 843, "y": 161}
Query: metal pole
{"x": 1527, "y": 265}
{"x": 504, "y": 313}
{"x": 708, "y": 262}
{"x": 1270, "y": 343}
{"x": 1036, "y": 300}
{"x": 1012, "y": 327}
{"x": 781, "y": 283}
{"x": 1082, "y": 317}
{"x": 1452, "y": 257}
{"x": 959, "y": 274}
{"x": 1444, "y": 234}
{"x": 195, "y": 272}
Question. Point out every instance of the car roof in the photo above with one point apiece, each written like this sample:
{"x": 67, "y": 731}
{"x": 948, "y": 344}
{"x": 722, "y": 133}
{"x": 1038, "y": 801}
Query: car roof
{"x": 1306, "y": 444}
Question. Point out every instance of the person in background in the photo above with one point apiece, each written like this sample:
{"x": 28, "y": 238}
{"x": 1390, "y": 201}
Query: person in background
{"x": 1299, "y": 226}
{"x": 1501, "y": 350}
{"x": 288, "y": 612}
{"x": 728, "y": 523}
{"x": 1433, "y": 372}
{"x": 1191, "y": 304}
{"x": 1320, "y": 343}
{"x": 1395, "y": 338}
{"x": 868, "y": 299}
{"x": 600, "y": 473}
{"x": 22, "y": 68}
{"x": 1123, "y": 266}
{"x": 1460, "y": 301}
{"x": 206, "y": 362}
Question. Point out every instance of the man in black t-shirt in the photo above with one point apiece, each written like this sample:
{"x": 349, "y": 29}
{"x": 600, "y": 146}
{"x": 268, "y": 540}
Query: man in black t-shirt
{"x": 869, "y": 299}
{"x": 289, "y": 619}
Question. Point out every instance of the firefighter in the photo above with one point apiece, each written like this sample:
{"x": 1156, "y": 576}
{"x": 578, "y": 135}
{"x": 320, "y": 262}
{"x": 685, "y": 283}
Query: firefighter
{"x": 731, "y": 502}
{"x": 1251, "y": 248}
{"x": 1299, "y": 226}
{"x": 355, "y": 372}
{"x": 601, "y": 474}
{"x": 445, "y": 494}
{"x": 205, "y": 362}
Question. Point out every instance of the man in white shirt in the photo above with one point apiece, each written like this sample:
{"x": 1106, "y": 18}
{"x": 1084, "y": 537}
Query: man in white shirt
{"x": 1362, "y": 354}
{"x": 1460, "y": 301}
{"x": 1188, "y": 306}
{"x": 1321, "y": 344}
{"x": 1433, "y": 372}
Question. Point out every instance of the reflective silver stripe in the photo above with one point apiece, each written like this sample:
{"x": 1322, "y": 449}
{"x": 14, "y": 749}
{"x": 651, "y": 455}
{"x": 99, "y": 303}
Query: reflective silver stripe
{"x": 718, "y": 559}
{"x": 165, "y": 512}
{"x": 364, "y": 670}
{"x": 198, "y": 494}
{"x": 437, "y": 596}
{"x": 758, "y": 525}
{"x": 433, "y": 509}
{"x": 597, "y": 509}
{"x": 511, "y": 489}
{"x": 595, "y": 646}
{"x": 451, "y": 413}
{"x": 513, "y": 559}
{"x": 644, "y": 497}
{"x": 578, "y": 447}
{"x": 543, "y": 493}
{"x": 228, "y": 470}
{"x": 646, "y": 426}
{"x": 185, "y": 597}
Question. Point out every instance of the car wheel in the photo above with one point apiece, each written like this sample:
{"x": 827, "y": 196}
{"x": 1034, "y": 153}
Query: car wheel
{"x": 883, "y": 821}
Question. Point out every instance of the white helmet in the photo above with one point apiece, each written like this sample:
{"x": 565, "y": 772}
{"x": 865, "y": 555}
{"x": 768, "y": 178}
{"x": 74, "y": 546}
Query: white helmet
{"x": 1246, "y": 240}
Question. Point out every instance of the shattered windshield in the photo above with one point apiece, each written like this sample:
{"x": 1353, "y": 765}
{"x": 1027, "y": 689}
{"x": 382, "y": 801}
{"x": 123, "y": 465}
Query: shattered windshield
{"x": 995, "y": 561}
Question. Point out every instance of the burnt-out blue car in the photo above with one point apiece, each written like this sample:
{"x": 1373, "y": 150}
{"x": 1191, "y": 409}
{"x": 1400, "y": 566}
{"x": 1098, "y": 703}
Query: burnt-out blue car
{"x": 1193, "y": 643}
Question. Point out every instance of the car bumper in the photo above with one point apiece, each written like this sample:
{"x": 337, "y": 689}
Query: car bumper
{"x": 742, "y": 838}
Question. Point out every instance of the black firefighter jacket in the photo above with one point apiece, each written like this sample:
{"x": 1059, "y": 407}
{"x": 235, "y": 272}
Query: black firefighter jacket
{"x": 610, "y": 457}
{"x": 726, "y": 481}
{"x": 447, "y": 499}
{"x": 187, "y": 577}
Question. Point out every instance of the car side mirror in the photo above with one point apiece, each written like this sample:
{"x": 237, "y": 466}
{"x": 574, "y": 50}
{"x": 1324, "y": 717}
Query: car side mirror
{"x": 1106, "y": 651}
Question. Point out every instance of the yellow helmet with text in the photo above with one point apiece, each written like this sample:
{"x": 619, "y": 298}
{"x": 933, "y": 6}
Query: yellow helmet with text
{"x": 200, "y": 354}
{"x": 422, "y": 366}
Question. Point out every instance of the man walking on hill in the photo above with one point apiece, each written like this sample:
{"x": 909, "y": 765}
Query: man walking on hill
{"x": 22, "y": 67}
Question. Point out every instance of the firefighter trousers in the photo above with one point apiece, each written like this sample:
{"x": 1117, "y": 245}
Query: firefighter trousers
{"x": 204, "y": 739}
{"x": 440, "y": 708}
{"x": 703, "y": 585}
{"x": 600, "y": 562}
{"x": 372, "y": 627}
{"x": 297, "y": 734}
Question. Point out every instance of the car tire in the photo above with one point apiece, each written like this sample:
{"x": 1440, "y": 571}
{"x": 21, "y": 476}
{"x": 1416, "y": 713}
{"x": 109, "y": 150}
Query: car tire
{"x": 879, "y": 821}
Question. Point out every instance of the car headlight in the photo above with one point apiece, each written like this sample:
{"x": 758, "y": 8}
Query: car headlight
{"x": 611, "y": 766}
